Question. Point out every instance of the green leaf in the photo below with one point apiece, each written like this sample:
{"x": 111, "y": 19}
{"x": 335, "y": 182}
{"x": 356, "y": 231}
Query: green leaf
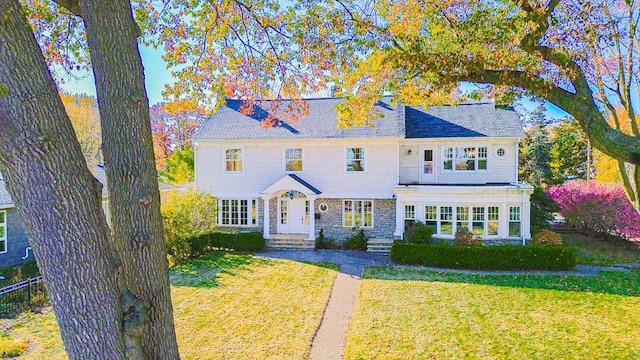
{"x": 4, "y": 89}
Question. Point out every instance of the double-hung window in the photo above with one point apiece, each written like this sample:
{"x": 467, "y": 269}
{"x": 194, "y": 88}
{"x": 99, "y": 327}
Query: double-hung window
{"x": 462, "y": 218}
{"x": 431, "y": 218}
{"x": 3, "y": 231}
{"x": 464, "y": 158}
{"x": 478, "y": 224}
{"x": 409, "y": 215}
{"x": 493, "y": 220}
{"x": 514, "y": 221}
{"x": 446, "y": 220}
{"x": 237, "y": 212}
{"x": 233, "y": 160}
{"x": 355, "y": 159}
{"x": 357, "y": 213}
{"x": 293, "y": 160}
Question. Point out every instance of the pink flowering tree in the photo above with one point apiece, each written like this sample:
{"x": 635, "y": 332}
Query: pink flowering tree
{"x": 597, "y": 207}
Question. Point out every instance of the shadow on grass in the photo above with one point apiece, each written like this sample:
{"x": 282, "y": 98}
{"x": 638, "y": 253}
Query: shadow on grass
{"x": 324, "y": 264}
{"x": 607, "y": 282}
{"x": 202, "y": 272}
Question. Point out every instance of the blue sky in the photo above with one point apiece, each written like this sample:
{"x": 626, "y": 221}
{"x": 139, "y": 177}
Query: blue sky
{"x": 155, "y": 71}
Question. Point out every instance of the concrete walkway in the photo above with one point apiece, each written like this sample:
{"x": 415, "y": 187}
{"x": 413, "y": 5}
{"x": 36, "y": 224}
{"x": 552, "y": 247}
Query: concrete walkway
{"x": 330, "y": 339}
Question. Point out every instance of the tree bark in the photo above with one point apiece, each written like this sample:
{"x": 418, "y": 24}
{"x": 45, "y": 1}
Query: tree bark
{"x": 131, "y": 174}
{"x": 57, "y": 197}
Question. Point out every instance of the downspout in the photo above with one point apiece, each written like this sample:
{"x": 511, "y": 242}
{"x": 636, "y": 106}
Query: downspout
{"x": 524, "y": 241}
{"x": 26, "y": 253}
{"x": 517, "y": 156}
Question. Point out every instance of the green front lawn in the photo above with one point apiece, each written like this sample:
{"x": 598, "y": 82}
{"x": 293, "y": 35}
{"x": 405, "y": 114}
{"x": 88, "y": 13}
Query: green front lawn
{"x": 435, "y": 315}
{"x": 227, "y": 306}
{"x": 608, "y": 282}
{"x": 598, "y": 251}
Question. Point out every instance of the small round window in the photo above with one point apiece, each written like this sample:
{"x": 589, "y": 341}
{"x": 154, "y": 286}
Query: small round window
{"x": 323, "y": 207}
{"x": 501, "y": 152}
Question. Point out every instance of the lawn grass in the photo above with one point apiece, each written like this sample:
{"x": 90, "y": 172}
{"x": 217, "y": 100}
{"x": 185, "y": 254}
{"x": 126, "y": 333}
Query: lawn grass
{"x": 227, "y": 306}
{"x": 603, "y": 252}
{"x": 607, "y": 282}
{"x": 410, "y": 319}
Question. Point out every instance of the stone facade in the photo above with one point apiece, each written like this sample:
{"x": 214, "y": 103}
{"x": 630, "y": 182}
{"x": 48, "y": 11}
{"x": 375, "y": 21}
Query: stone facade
{"x": 17, "y": 241}
{"x": 384, "y": 220}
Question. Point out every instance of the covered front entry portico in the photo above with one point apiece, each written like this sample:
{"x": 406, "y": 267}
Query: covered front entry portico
{"x": 295, "y": 199}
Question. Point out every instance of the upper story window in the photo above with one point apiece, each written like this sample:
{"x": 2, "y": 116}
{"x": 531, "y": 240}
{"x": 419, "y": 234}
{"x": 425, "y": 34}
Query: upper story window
{"x": 355, "y": 159}
{"x": 3, "y": 231}
{"x": 293, "y": 160}
{"x": 233, "y": 160}
{"x": 464, "y": 158}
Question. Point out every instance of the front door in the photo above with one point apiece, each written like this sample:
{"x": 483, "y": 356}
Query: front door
{"x": 293, "y": 214}
{"x": 298, "y": 216}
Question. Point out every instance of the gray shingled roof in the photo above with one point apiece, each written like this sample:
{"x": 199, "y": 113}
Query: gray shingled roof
{"x": 229, "y": 124}
{"x": 464, "y": 120}
{"x": 5, "y": 198}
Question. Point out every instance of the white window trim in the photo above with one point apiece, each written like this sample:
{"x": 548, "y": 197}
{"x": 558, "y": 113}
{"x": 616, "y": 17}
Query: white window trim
{"x": 284, "y": 159}
{"x": 438, "y": 234}
{"x": 6, "y": 237}
{"x": 509, "y": 221}
{"x": 366, "y": 162}
{"x": 249, "y": 213}
{"x": 224, "y": 161}
{"x": 497, "y": 149}
{"x": 373, "y": 215}
{"x": 453, "y": 164}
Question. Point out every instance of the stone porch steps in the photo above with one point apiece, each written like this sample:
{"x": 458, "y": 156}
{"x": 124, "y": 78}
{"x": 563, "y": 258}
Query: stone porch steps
{"x": 291, "y": 242}
{"x": 379, "y": 246}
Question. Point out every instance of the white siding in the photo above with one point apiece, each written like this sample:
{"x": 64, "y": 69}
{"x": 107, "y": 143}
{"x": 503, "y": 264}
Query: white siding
{"x": 323, "y": 164}
{"x": 500, "y": 170}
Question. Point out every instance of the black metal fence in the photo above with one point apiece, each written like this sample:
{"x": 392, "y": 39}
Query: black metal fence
{"x": 17, "y": 297}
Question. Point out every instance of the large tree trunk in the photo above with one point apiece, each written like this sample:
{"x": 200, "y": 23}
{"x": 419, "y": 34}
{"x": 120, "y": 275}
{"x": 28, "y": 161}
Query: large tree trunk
{"x": 57, "y": 197}
{"x": 131, "y": 174}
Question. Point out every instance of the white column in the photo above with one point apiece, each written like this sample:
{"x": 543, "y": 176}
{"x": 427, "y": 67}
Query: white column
{"x": 399, "y": 217}
{"x": 265, "y": 219}
{"x": 312, "y": 217}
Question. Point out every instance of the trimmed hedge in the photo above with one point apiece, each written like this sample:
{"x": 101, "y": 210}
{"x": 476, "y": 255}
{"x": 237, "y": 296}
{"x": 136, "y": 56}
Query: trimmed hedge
{"x": 509, "y": 257}
{"x": 237, "y": 241}
{"x": 199, "y": 245}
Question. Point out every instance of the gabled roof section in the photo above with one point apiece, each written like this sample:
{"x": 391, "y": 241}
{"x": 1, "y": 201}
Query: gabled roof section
{"x": 291, "y": 182}
{"x": 464, "y": 120}
{"x": 321, "y": 123}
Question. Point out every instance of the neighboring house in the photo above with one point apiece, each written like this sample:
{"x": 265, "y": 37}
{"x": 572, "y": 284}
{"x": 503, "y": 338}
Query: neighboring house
{"x": 450, "y": 167}
{"x": 14, "y": 245}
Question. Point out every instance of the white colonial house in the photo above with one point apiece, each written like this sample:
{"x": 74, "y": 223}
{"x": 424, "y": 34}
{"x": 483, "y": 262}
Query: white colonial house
{"x": 450, "y": 167}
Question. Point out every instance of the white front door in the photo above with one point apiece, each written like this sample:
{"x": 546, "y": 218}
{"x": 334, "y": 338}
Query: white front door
{"x": 293, "y": 216}
{"x": 298, "y": 216}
